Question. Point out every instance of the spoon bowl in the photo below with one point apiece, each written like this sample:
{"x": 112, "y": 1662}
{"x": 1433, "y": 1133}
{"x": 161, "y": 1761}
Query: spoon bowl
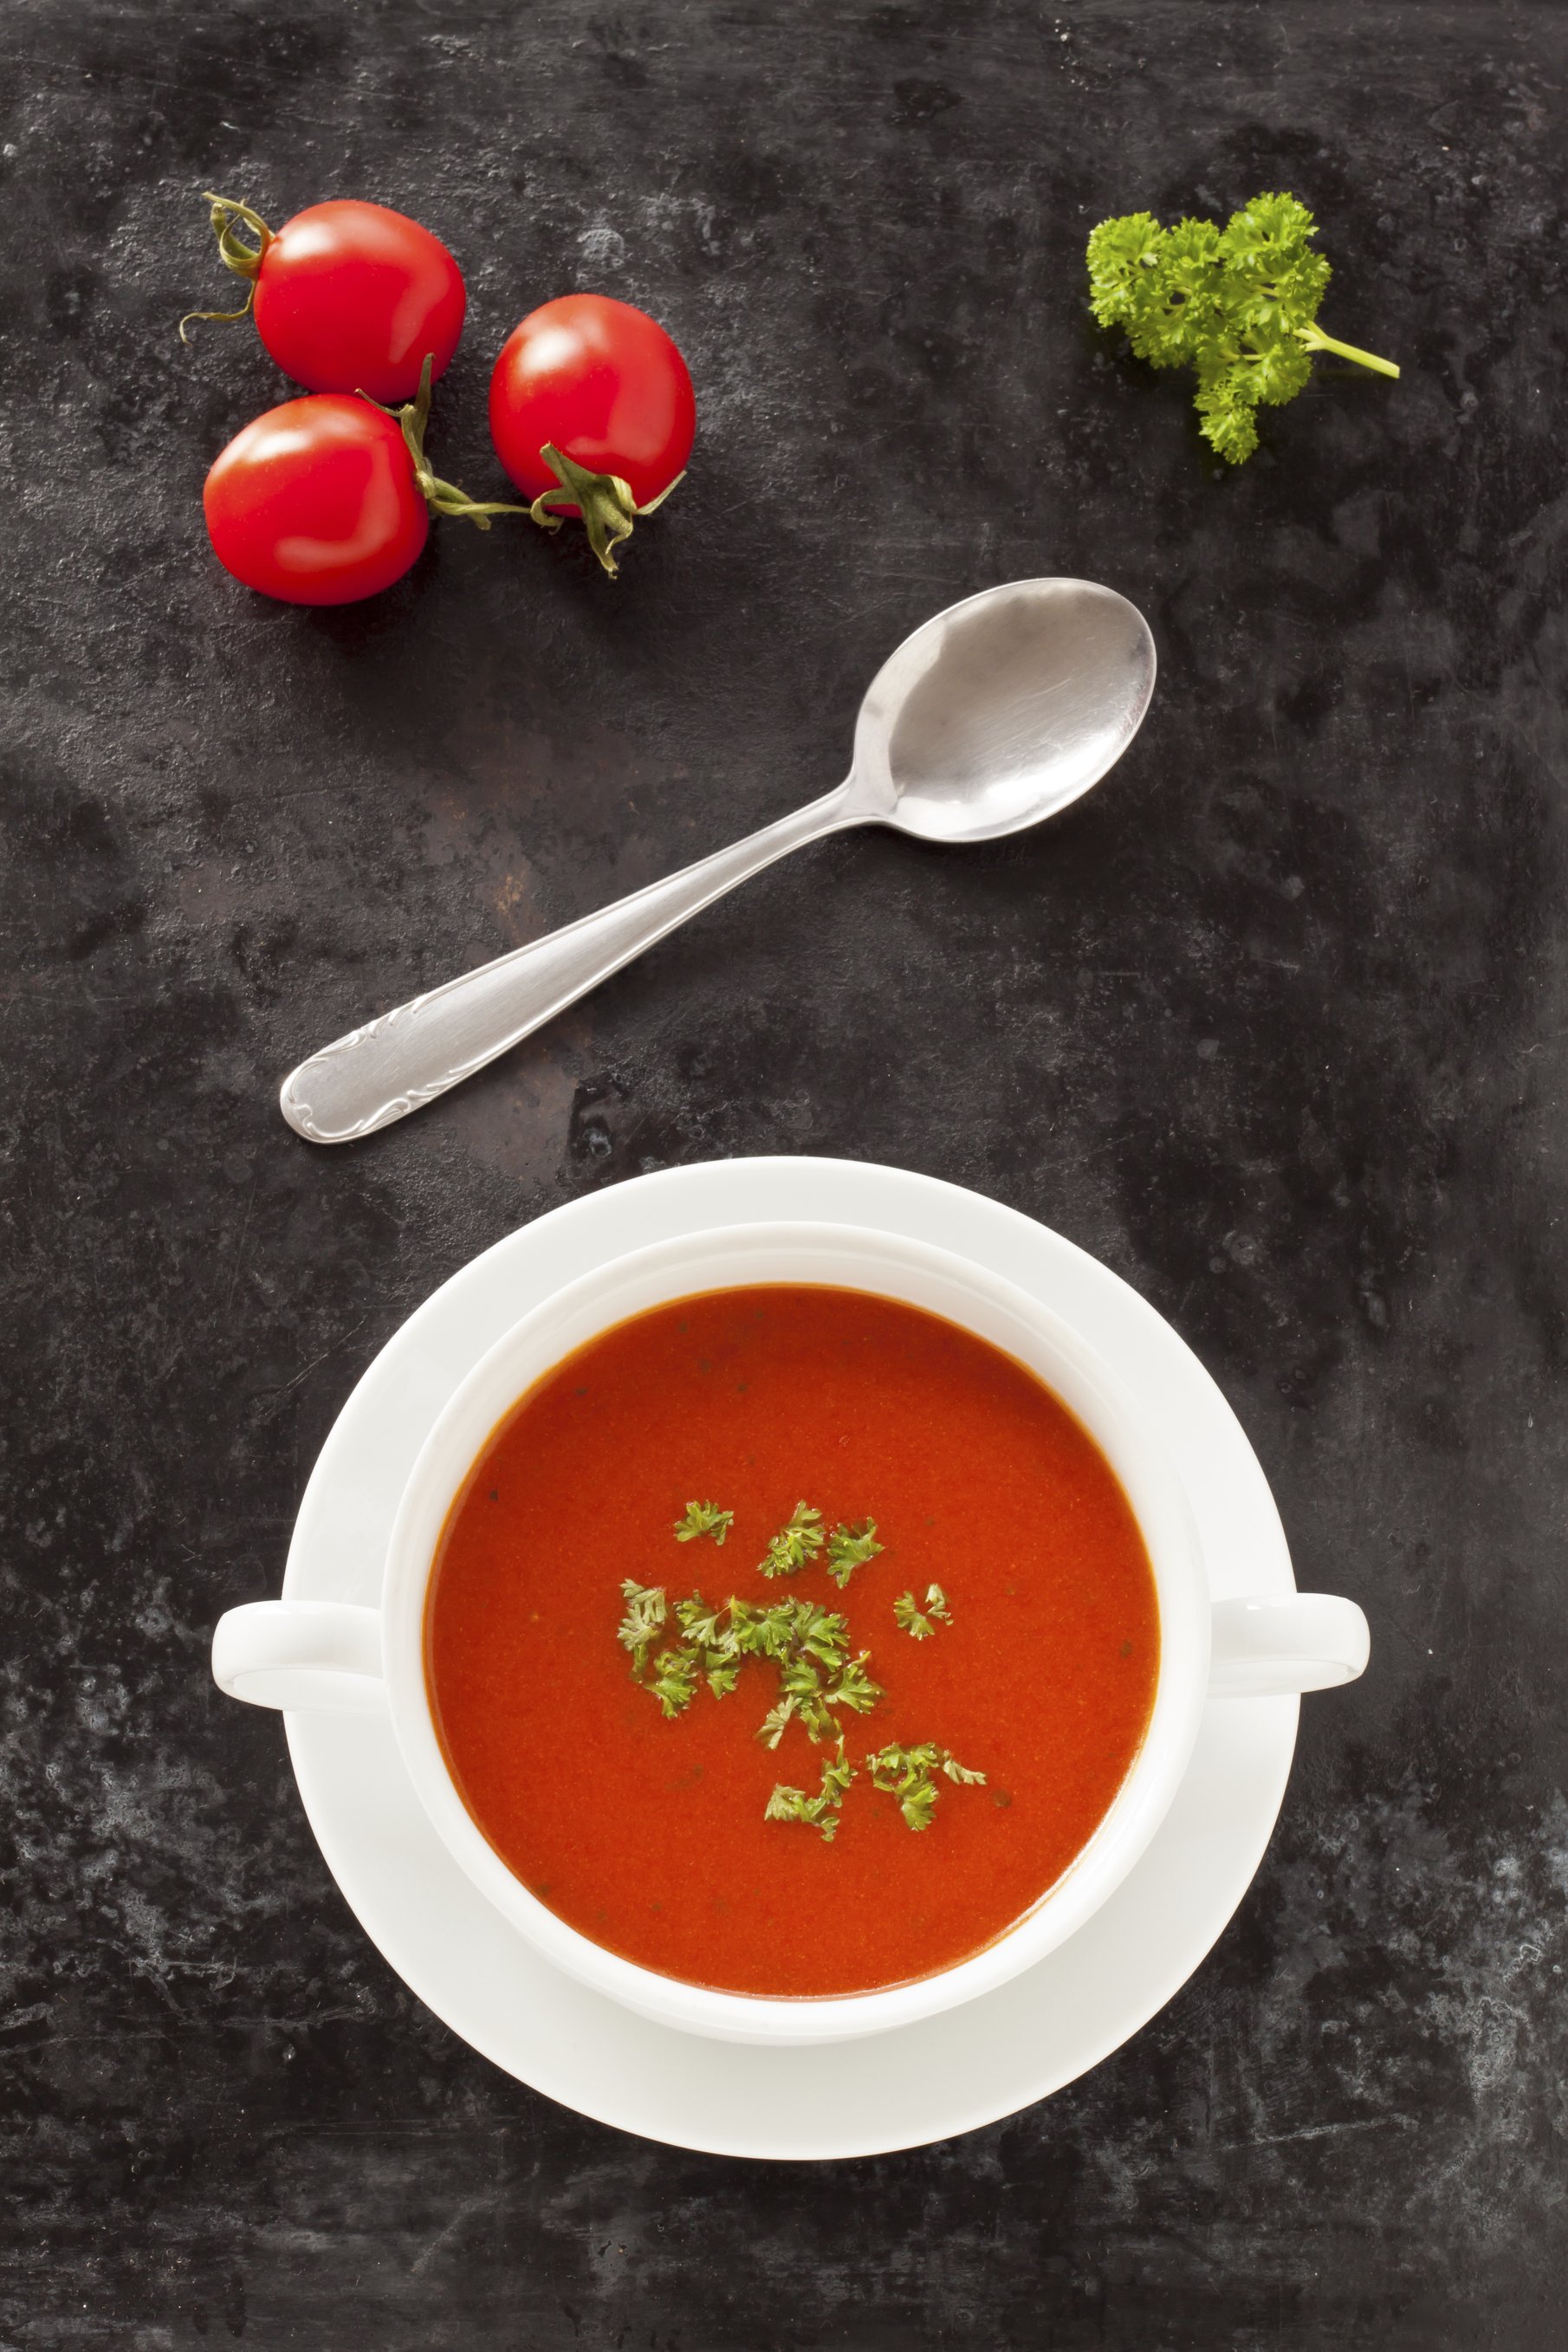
{"x": 1003, "y": 710}
{"x": 990, "y": 716}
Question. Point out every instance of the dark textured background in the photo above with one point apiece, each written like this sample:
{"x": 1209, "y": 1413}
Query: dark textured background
{"x": 1274, "y": 1024}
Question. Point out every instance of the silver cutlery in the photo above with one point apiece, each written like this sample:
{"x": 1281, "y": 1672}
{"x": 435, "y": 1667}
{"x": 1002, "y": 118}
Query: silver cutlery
{"x": 994, "y": 715}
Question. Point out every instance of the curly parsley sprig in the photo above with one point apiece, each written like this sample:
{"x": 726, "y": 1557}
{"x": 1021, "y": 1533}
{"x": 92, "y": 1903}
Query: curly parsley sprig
{"x": 819, "y": 1812}
{"x": 908, "y": 1773}
{"x": 704, "y": 1519}
{"x": 646, "y": 1610}
{"x": 920, "y": 1626}
{"x": 800, "y": 1540}
{"x": 1238, "y": 305}
{"x": 850, "y": 1548}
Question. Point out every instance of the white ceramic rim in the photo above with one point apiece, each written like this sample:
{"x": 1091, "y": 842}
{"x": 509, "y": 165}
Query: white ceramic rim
{"x": 846, "y": 1257}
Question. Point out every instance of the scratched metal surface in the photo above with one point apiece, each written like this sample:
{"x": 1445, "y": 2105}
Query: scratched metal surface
{"x": 1274, "y": 1024}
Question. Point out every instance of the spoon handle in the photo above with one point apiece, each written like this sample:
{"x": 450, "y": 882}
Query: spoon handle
{"x": 411, "y": 1054}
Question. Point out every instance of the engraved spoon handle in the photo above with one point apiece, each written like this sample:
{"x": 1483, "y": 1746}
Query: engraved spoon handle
{"x": 411, "y": 1054}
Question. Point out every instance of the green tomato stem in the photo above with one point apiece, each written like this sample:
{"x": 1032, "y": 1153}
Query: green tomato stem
{"x": 1316, "y": 341}
{"x": 228, "y": 216}
{"x": 605, "y": 502}
{"x": 442, "y": 497}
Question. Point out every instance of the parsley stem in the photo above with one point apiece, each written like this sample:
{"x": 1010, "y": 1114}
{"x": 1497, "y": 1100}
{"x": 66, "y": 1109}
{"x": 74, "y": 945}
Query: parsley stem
{"x": 1316, "y": 341}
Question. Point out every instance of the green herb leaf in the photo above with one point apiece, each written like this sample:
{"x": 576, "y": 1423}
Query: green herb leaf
{"x": 800, "y": 1694}
{"x": 740, "y": 1628}
{"x": 906, "y": 1773}
{"x": 918, "y": 1626}
{"x": 704, "y": 1519}
{"x": 852, "y": 1687}
{"x": 818, "y": 1632}
{"x": 674, "y": 1679}
{"x": 821, "y": 1812}
{"x": 1236, "y": 304}
{"x": 798, "y": 1679}
{"x": 700, "y": 1623}
{"x": 800, "y": 1540}
{"x": 775, "y": 1724}
{"x": 640, "y": 1627}
{"x": 850, "y": 1548}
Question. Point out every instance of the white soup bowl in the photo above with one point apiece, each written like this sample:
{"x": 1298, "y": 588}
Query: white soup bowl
{"x": 334, "y": 1654}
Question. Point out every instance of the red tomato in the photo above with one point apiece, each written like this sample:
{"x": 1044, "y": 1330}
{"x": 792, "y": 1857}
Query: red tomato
{"x": 350, "y": 298}
{"x": 606, "y": 384}
{"x": 317, "y": 502}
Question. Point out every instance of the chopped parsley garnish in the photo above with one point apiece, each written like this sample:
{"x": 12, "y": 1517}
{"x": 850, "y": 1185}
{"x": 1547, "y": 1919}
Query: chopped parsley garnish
{"x": 704, "y": 1519}
{"x": 800, "y": 1540}
{"x": 850, "y": 1548}
{"x": 808, "y": 1644}
{"x": 805, "y": 1699}
{"x": 641, "y": 1625}
{"x": 853, "y": 1686}
{"x": 808, "y": 1647}
{"x": 674, "y": 1683}
{"x": 909, "y": 1774}
{"x": 911, "y": 1620}
{"x": 819, "y": 1812}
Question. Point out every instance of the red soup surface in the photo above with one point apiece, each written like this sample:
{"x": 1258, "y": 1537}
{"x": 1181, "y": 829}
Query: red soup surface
{"x": 647, "y": 1833}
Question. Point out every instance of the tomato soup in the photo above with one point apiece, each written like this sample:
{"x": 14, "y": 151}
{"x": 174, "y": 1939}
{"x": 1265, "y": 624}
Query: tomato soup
{"x": 648, "y": 1832}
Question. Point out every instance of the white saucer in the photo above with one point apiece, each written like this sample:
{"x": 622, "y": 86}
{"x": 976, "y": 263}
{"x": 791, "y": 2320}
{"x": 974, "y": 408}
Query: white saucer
{"x": 925, "y": 2081}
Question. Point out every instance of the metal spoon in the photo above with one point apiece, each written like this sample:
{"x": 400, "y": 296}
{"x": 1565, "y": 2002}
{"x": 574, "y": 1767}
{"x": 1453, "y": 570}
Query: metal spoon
{"x": 993, "y": 715}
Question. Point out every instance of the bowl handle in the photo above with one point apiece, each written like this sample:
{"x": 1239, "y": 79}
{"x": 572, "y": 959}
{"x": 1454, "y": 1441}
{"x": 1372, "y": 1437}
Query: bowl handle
{"x": 1264, "y": 1649}
{"x": 320, "y": 1655}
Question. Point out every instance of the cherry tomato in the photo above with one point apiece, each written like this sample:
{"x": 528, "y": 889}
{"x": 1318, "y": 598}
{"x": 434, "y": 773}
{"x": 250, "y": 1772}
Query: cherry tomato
{"x": 603, "y": 384}
{"x": 347, "y": 296}
{"x": 317, "y": 502}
